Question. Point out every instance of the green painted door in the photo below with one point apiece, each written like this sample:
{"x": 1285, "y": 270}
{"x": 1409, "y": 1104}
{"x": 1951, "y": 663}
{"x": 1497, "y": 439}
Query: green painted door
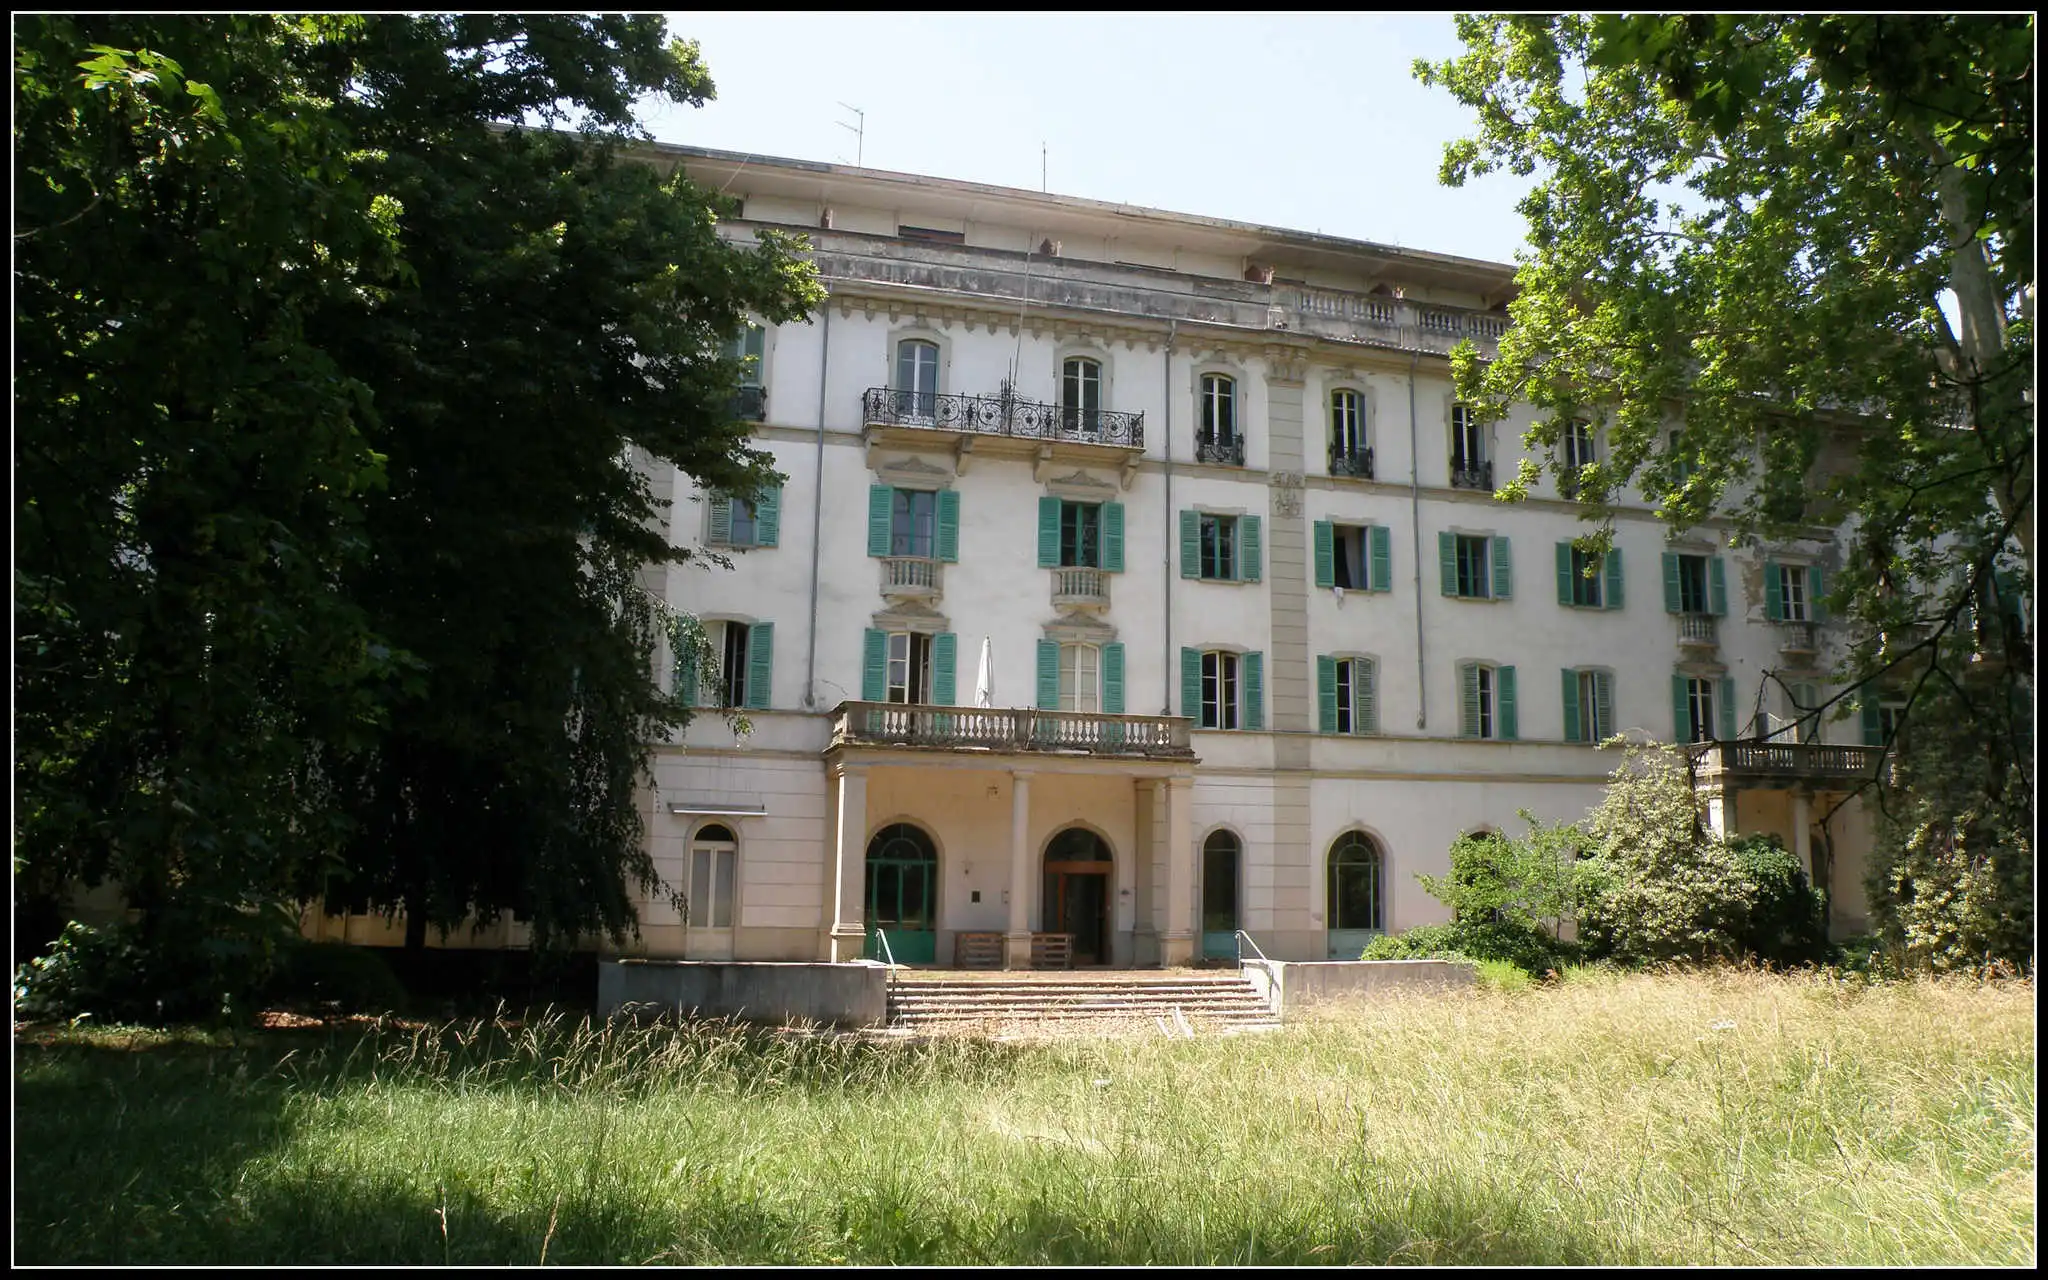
{"x": 1219, "y": 896}
{"x": 902, "y": 889}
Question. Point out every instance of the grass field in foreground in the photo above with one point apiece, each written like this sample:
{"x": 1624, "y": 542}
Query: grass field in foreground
{"x": 1730, "y": 1118}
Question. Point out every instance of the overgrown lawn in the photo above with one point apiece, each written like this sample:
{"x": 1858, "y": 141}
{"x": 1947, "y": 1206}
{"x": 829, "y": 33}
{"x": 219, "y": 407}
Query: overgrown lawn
{"x": 1726, "y": 1117}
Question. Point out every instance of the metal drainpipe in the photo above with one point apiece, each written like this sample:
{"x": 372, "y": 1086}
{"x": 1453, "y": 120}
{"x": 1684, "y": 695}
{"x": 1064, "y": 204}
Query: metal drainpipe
{"x": 1166, "y": 560}
{"x": 817, "y": 516}
{"x": 1415, "y": 536}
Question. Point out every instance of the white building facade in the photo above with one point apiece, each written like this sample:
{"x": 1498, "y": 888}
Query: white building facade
{"x": 1260, "y": 641}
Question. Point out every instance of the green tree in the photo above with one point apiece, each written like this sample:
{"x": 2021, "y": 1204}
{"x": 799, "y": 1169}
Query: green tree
{"x": 1529, "y": 883}
{"x": 328, "y": 563}
{"x": 1767, "y": 220}
{"x": 189, "y": 465}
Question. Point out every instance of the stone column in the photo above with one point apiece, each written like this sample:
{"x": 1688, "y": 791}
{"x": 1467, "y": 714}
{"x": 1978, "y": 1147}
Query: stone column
{"x": 849, "y": 909}
{"x": 1802, "y": 838}
{"x": 1017, "y": 942}
{"x": 1177, "y": 942}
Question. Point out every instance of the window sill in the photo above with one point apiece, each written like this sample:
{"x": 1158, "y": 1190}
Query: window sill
{"x": 1231, "y": 582}
{"x": 1482, "y": 599}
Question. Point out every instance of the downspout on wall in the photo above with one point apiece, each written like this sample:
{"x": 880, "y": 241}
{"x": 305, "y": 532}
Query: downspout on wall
{"x": 1415, "y": 538}
{"x": 817, "y": 517}
{"x": 1166, "y": 559}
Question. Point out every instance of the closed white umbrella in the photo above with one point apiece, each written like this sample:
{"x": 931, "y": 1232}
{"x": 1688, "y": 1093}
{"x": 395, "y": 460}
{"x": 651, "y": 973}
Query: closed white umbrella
{"x": 985, "y": 680}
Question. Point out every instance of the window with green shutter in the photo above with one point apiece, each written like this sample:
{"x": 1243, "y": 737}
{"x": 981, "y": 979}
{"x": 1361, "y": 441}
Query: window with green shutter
{"x": 1588, "y": 705}
{"x": 1473, "y": 567}
{"x": 1220, "y": 548}
{"x": 760, "y": 664}
{"x": 743, "y": 522}
{"x": 1217, "y": 695}
{"x": 1347, "y": 695}
{"x": 1354, "y": 557}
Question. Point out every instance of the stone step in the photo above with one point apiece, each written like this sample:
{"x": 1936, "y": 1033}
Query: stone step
{"x": 1002, "y": 997}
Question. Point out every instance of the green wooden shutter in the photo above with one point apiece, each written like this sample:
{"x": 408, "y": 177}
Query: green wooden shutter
{"x": 1191, "y": 684}
{"x": 1611, "y": 564}
{"x": 1468, "y": 699}
{"x": 768, "y": 518}
{"x": 1254, "y": 672}
{"x": 1048, "y": 532}
{"x": 686, "y": 679}
{"x": 1247, "y": 548}
{"x": 1672, "y": 600}
{"x": 1774, "y": 593}
{"x": 879, "y": 498}
{"x": 874, "y": 666}
{"x": 1113, "y": 537}
{"x": 1447, "y": 561}
{"x": 1382, "y": 559}
{"x": 1503, "y": 570}
{"x": 945, "y": 649}
{"x": 1571, "y": 705}
{"x": 1681, "y": 714}
{"x": 1326, "y": 693}
{"x": 1814, "y": 588}
{"x": 721, "y": 520}
{"x": 1190, "y": 544}
{"x": 1326, "y": 554}
{"x": 760, "y": 665}
{"x": 1113, "y": 679}
{"x": 949, "y": 526}
{"x": 1504, "y": 683}
{"x": 1365, "y": 688}
{"x": 1873, "y": 726}
{"x": 1717, "y": 588}
{"x": 1048, "y": 675}
{"x": 1564, "y": 573}
{"x": 1724, "y": 708}
{"x": 1603, "y": 707}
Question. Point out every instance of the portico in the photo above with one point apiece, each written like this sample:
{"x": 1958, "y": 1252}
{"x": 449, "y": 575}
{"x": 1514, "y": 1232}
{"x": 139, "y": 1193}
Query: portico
{"x": 954, "y": 826}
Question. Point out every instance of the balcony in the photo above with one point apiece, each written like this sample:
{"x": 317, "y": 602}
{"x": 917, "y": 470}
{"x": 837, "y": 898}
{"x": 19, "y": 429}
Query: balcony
{"x": 1768, "y": 764}
{"x": 1698, "y": 631}
{"x": 1002, "y": 415}
{"x": 1080, "y": 587}
{"x": 750, "y": 404}
{"x": 1351, "y": 462}
{"x": 1228, "y": 450}
{"x": 1010, "y": 730}
{"x": 910, "y": 577}
{"x": 1472, "y": 475}
{"x": 1800, "y": 639}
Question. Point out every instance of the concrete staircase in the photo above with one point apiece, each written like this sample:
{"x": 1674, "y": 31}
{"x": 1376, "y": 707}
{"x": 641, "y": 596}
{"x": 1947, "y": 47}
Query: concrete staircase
{"x": 1023, "y": 1002}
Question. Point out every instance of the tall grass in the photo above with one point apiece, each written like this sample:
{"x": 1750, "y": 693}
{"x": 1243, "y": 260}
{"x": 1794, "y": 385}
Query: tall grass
{"x": 1707, "y": 1118}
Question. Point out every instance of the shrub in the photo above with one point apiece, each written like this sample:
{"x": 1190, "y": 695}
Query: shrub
{"x": 1527, "y": 947}
{"x": 1786, "y": 922}
{"x": 336, "y": 977}
{"x": 1660, "y": 889}
{"x": 1522, "y": 882}
{"x": 194, "y": 966}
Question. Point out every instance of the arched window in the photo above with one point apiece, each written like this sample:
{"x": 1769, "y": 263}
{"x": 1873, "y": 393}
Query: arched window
{"x": 1218, "y": 439}
{"x": 917, "y": 376}
{"x": 1354, "y": 900}
{"x": 1081, "y": 395}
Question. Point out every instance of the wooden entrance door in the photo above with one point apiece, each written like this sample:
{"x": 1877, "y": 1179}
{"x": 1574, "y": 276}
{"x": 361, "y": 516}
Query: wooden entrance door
{"x": 1077, "y": 902}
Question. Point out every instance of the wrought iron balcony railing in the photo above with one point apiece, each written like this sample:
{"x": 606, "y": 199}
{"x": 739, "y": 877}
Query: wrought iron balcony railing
{"x": 1080, "y": 585}
{"x": 1002, "y": 416}
{"x": 1228, "y": 450}
{"x": 1350, "y": 462}
{"x": 894, "y": 724}
{"x": 910, "y": 576}
{"x": 750, "y": 404}
{"x": 1697, "y": 628}
{"x": 1472, "y": 475}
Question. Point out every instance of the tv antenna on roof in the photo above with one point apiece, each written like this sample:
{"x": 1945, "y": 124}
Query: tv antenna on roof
{"x": 859, "y": 134}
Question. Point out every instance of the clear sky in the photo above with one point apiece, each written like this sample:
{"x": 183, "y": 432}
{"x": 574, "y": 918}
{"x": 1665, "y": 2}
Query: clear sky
{"x": 1306, "y": 121}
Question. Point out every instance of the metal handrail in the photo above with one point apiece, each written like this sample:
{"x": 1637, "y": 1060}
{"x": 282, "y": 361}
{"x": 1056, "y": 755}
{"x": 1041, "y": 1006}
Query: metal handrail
{"x": 1247, "y": 940}
{"x": 888, "y": 952}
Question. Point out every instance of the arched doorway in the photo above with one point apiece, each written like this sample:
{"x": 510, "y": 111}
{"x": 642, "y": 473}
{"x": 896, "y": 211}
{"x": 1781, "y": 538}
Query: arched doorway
{"x": 1219, "y": 895}
{"x": 1353, "y": 904}
{"x": 902, "y": 894}
{"x": 1077, "y": 894}
{"x": 714, "y": 854}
